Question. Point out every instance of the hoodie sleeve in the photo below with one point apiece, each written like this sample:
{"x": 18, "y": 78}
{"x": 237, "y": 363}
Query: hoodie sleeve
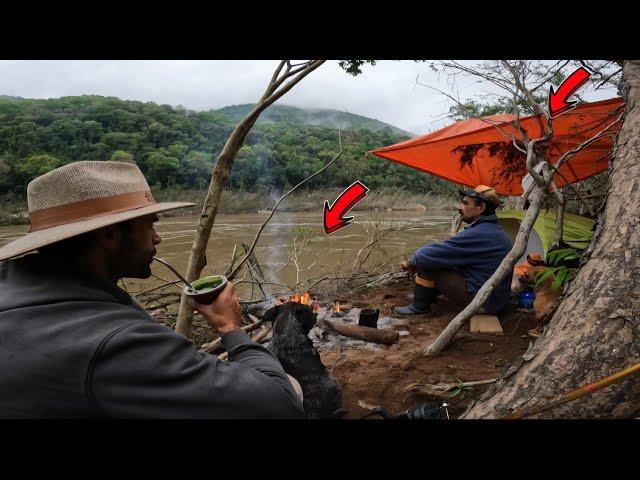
{"x": 456, "y": 251}
{"x": 146, "y": 370}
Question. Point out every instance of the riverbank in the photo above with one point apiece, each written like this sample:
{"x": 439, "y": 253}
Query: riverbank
{"x": 13, "y": 208}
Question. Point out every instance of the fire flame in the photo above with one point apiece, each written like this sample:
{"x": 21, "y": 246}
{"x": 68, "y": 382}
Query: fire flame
{"x": 336, "y": 306}
{"x": 304, "y": 299}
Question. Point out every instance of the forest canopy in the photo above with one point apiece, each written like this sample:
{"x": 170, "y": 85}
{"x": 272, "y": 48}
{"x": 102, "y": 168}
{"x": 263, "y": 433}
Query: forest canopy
{"x": 176, "y": 146}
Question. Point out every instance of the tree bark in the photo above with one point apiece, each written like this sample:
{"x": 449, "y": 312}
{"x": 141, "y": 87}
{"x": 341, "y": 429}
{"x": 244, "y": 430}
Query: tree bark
{"x": 596, "y": 329}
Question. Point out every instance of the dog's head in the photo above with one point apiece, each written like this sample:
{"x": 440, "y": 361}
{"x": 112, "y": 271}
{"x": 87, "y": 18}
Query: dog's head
{"x": 302, "y": 313}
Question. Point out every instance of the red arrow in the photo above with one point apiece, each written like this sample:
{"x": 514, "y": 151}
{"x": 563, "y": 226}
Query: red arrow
{"x": 333, "y": 219}
{"x": 558, "y": 103}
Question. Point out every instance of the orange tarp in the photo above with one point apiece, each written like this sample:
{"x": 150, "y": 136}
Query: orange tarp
{"x": 479, "y": 151}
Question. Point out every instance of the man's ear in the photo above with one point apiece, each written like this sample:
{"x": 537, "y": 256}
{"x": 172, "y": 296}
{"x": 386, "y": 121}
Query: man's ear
{"x": 108, "y": 237}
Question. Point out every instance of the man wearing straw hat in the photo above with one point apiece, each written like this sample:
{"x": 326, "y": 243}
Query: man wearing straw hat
{"x": 73, "y": 344}
{"x": 459, "y": 266}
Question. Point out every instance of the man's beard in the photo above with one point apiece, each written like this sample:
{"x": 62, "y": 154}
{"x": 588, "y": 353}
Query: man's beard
{"x": 132, "y": 264}
{"x": 464, "y": 219}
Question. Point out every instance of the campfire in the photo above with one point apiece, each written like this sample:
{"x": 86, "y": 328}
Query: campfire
{"x": 337, "y": 312}
{"x": 342, "y": 325}
{"x": 304, "y": 299}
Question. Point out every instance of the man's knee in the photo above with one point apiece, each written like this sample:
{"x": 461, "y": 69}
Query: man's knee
{"x": 296, "y": 387}
{"x": 425, "y": 282}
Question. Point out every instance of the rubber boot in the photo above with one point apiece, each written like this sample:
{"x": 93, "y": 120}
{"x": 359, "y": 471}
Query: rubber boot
{"x": 422, "y": 300}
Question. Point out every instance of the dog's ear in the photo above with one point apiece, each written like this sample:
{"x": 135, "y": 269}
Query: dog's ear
{"x": 271, "y": 314}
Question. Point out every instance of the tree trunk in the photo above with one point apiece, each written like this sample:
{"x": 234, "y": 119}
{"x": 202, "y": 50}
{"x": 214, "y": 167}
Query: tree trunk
{"x": 596, "y": 330}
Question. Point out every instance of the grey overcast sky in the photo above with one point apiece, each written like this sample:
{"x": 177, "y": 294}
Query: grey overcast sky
{"x": 387, "y": 92}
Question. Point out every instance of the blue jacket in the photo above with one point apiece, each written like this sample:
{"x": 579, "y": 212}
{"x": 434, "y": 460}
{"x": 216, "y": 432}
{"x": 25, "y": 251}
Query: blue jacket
{"x": 476, "y": 252}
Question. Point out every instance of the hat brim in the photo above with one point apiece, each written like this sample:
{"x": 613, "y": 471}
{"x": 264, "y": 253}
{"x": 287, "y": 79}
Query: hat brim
{"x": 40, "y": 238}
{"x": 468, "y": 193}
{"x": 474, "y": 194}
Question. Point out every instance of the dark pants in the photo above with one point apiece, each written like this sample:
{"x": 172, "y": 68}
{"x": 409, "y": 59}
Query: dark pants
{"x": 452, "y": 284}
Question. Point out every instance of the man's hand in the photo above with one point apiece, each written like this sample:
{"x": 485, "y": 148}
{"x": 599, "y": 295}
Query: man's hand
{"x": 406, "y": 267}
{"x": 224, "y": 314}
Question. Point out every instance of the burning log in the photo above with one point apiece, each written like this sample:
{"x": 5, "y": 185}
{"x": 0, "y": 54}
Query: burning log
{"x": 367, "y": 334}
{"x": 304, "y": 299}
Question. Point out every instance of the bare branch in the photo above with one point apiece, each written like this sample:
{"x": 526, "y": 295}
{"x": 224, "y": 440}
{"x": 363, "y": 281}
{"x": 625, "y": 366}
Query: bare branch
{"x": 575, "y": 190}
{"x": 571, "y": 153}
{"x": 255, "y": 240}
{"x": 145, "y": 292}
{"x": 277, "y": 72}
{"x": 219, "y": 175}
{"x": 547, "y": 77}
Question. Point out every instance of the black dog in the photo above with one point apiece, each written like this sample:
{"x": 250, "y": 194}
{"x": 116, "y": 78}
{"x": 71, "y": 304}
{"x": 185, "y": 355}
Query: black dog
{"x": 300, "y": 359}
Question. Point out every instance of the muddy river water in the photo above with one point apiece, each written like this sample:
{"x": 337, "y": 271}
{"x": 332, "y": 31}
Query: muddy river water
{"x": 278, "y": 253}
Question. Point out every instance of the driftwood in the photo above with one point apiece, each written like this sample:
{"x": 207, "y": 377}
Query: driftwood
{"x": 441, "y": 389}
{"x": 367, "y": 334}
{"x": 254, "y": 269}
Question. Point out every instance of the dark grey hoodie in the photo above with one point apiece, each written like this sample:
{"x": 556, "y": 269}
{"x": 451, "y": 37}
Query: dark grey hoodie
{"x": 74, "y": 345}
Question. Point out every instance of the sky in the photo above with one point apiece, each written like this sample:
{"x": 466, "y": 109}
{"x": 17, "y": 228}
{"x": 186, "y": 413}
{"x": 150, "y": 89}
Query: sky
{"x": 388, "y": 92}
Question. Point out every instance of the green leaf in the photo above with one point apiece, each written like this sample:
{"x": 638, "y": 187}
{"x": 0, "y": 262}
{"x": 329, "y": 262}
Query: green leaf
{"x": 455, "y": 392}
{"x": 559, "y": 278}
{"x": 542, "y": 276}
{"x": 558, "y": 256}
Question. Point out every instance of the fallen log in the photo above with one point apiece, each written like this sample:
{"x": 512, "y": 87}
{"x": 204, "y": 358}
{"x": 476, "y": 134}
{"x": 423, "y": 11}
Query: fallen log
{"x": 367, "y": 334}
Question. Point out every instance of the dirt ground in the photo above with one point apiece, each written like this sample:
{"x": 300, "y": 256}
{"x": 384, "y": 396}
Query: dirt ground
{"x": 376, "y": 377}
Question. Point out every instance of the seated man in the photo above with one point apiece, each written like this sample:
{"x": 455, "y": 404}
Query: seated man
{"x": 459, "y": 266}
{"x": 73, "y": 344}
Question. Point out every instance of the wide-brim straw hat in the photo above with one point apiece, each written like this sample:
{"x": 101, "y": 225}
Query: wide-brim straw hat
{"x": 81, "y": 197}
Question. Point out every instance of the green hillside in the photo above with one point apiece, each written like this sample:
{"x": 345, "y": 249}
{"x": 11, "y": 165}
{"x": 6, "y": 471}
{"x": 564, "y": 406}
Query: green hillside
{"x": 321, "y": 117}
{"x": 174, "y": 146}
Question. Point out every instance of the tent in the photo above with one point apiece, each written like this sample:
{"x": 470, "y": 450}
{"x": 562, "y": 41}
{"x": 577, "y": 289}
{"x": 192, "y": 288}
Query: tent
{"x": 577, "y": 231}
{"x": 479, "y": 151}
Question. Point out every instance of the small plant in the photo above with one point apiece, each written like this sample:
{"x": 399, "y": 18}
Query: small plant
{"x": 561, "y": 264}
{"x": 460, "y": 390}
{"x": 170, "y": 322}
